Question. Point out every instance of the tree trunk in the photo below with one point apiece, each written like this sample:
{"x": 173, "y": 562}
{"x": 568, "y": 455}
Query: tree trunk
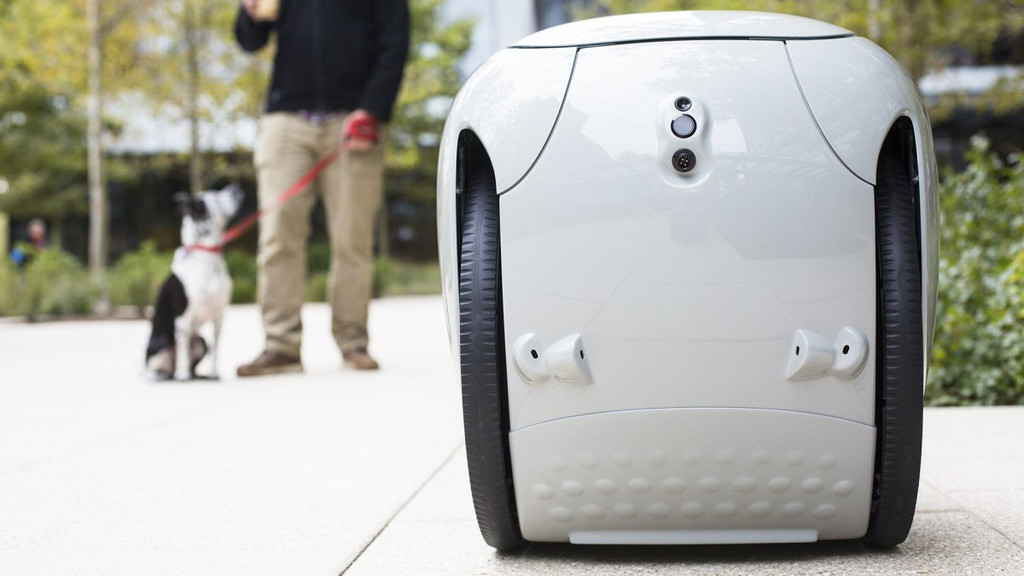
{"x": 5, "y": 232}
{"x": 192, "y": 38}
{"x": 57, "y": 232}
{"x": 99, "y": 212}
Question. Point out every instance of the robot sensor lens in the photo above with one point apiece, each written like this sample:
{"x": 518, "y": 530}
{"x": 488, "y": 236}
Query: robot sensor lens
{"x": 684, "y": 160}
{"x": 683, "y": 103}
{"x": 684, "y": 126}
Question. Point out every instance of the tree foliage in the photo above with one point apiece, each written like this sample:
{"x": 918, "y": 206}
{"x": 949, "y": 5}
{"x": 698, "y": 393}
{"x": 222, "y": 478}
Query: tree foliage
{"x": 165, "y": 51}
{"x": 430, "y": 83}
{"x": 978, "y": 356}
{"x": 42, "y": 151}
{"x": 44, "y": 41}
{"x": 203, "y": 77}
{"x": 43, "y": 77}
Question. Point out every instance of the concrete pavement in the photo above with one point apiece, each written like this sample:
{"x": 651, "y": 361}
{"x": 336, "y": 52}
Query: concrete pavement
{"x": 337, "y": 472}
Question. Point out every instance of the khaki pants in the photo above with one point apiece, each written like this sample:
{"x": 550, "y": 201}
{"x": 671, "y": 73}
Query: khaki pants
{"x": 351, "y": 188}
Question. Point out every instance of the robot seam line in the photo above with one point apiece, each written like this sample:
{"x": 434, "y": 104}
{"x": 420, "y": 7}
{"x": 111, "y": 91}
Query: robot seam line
{"x": 688, "y": 39}
{"x": 561, "y": 107}
{"x": 810, "y": 111}
{"x": 730, "y": 408}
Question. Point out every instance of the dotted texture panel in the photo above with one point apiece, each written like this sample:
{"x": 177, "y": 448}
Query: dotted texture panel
{"x": 693, "y": 469}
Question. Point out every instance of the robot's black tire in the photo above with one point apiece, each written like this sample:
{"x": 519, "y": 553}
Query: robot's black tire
{"x": 482, "y": 354}
{"x": 900, "y": 344}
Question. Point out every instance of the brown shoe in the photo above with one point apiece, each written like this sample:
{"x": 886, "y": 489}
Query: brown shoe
{"x": 359, "y": 359}
{"x": 270, "y": 362}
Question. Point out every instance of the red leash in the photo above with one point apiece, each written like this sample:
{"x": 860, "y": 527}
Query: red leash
{"x": 240, "y": 228}
{"x": 360, "y": 126}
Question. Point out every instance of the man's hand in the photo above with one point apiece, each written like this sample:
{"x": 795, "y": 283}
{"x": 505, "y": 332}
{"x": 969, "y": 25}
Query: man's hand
{"x": 360, "y": 131}
{"x": 250, "y": 9}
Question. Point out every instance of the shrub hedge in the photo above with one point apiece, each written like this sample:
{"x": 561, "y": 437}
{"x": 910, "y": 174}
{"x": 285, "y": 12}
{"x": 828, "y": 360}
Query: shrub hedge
{"x": 978, "y": 356}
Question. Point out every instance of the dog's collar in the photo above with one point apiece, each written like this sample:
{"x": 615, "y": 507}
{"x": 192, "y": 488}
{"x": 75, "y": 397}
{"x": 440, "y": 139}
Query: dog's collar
{"x": 203, "y": 248}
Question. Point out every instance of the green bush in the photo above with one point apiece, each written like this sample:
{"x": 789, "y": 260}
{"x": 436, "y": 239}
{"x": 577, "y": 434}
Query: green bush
{"x": 408, "y": 278}
{"x": 136, "y": 278}
{"x": 383, "y": 273}
{"x": 57, "y": 284}
{"x": 978, "y": 357}
{"x": 383, "y": 270}
{"x": 12, "y": 290}
{"x": 242, "y": 268}
{"x": 316, "y": 287}
{"x": 54, "y": 283}
{"x": 318, "y": 258}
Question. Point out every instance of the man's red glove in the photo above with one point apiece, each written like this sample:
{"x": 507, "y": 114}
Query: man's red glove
{"x": 362, "y": 126}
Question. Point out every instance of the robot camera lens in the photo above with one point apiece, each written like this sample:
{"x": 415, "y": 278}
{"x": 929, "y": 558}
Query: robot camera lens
{"x": 684, "y": 160}
{"x": 683, "y": 103}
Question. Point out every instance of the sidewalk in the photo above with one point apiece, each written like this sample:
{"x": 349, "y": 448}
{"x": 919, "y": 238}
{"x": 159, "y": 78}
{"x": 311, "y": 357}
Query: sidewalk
{"x": 337, "y": 472}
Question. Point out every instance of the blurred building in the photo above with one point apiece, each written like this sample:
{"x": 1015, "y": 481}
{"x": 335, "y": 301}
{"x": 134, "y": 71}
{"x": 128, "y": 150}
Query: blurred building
{"x": 503, "y": 22}
{"x": 969, "y": 85}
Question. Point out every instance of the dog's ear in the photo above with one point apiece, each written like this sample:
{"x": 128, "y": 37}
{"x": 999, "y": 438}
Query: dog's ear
{"x": 189, "y": 205}
{"x": 183, "y": 201}
{"x": 236, "y": 191}
{"x": 198, "y": 208}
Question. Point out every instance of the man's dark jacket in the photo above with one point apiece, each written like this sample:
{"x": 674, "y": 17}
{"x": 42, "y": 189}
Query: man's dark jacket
{"x": 333, "y": 55}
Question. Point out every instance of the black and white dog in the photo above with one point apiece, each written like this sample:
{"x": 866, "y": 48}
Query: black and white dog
{"x": 198, "y": 289}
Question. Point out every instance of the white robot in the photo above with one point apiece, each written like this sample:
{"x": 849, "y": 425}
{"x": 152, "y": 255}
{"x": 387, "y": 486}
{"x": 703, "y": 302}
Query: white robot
{"x": 689, "y": 266}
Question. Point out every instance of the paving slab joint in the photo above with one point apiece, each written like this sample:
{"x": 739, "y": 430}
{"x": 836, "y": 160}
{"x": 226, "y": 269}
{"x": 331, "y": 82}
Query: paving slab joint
{"x": 412, "y": 497}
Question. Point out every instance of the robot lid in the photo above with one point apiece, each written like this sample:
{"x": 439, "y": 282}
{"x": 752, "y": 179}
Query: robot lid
{"x": 691, "y": 25}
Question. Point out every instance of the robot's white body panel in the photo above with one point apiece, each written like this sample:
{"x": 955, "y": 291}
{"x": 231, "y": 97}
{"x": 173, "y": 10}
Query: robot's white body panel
{"x": 685, "y": 348}
{"x": 855, "y": 104}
